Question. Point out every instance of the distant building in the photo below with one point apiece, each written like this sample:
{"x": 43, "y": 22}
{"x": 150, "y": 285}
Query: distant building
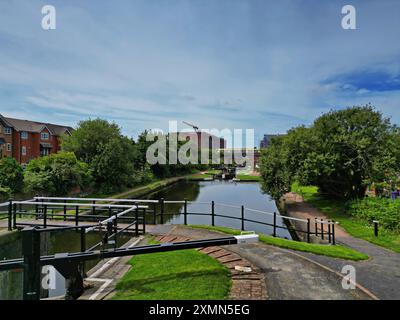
{"x": 25, "y": 140}
{"x": 265, "y": 142}
{"x": 212, "y": 142}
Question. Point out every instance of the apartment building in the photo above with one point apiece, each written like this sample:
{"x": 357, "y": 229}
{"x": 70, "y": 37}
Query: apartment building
{"x": 25, "y": 140}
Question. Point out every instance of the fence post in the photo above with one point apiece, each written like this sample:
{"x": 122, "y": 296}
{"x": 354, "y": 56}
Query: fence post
{"x": 375, "y": 227}
{"x": 212, "y": 213}
{"x": 154, "y": 213}
{"x": 185, "y": 213}
{"x": 316, "y": 226}
{"x": 32, "y": 269}
{"x": 322, "y": 229}
{"x": 329, "y": 232}
{"x": 10, "y": 215}
{"x": 144, "y": 220}
{"x": 115, "y": 229}
{"x": 162, "y": 210}
{"x": 45, "y": 216}
{"x": 137, "y": 220}
{"x": 65, "y": 213}
{"x": 14, "y": 216}
{"x": 242, "y": 218}
{"x": 333, "y": 232}
{"x": 274, "y": 226}
{"x": 83, "y": 249}
{"x": 308, "y": 230}
{"x": 94, "y": 208}
{"x": 77, "y": 215}
{"x": 36, "y": 208}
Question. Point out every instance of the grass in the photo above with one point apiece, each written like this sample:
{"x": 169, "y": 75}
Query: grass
{"x": 199, "y": 176}
{"x": 175, "y": 275}
{"x": 246, "y": 177}
{"x": 213, "y": 171}
{"x": 336, "y": 210}
{"x": 335, "y": 251}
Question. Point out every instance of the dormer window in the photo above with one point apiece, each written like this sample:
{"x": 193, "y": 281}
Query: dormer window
{"x": 44, "y": 136}
{"x": 24, "y": 135}
{"x": 7, "y": 130}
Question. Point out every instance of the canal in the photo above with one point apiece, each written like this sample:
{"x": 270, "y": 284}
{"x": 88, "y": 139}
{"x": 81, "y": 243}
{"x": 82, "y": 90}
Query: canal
{"x": 228, "y": 197}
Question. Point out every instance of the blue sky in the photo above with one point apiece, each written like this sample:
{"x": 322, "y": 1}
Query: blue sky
{"x": 267, "y": 65}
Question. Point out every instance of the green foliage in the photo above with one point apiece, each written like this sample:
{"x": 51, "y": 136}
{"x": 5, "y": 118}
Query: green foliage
{"x": 5, "y": 193}
{"x": 342, "y": 153}
{"x": 337, "y": 210}
{"x": 112, "y": 167}
{"x": 276, "y": 178}
{"x": 117, "y": 162}
{"x": 11, "y": 176}
{"x": 386, "y": 211}
{"x": 111, "y": 157}
{"x": 89, "y": 138}
{"x": 56, "y": 174}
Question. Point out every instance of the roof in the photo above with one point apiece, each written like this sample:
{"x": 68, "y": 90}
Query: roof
{"x": 58, "y": 130}
{"x": 37, "y": 127}
{"x": 25, "y": 125}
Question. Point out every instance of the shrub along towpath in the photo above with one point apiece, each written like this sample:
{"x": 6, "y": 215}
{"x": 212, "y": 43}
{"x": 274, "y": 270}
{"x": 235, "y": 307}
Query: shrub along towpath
{"x": 380, "y": 274}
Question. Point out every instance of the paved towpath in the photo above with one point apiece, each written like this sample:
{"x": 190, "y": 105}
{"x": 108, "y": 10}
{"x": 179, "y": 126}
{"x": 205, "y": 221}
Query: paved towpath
{"x": 380, "y": 274}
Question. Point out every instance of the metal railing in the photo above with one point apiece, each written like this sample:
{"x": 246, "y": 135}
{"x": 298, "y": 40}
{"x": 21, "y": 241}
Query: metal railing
{"x": 94, "y": 208}
{"x": 324, "y": 232}
{"x": 76, "y": 212}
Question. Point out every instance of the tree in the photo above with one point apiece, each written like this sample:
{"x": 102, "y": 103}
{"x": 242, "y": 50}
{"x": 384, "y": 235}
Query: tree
{"x": 113, "y": 166}
{"x": 57, "y": 174}
{"x": 276, "y": 178}
{"x": 11, "y": 175}
{"x": 342, "y": 153}
{"x": 113, "y": 158}
{"x": 90, "y": 135}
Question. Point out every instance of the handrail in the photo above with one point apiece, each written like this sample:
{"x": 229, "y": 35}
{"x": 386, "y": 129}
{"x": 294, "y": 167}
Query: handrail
{"x": 81, "y": 204}
{"x": 112, "y": 218}
{"x": 98, "y": 199}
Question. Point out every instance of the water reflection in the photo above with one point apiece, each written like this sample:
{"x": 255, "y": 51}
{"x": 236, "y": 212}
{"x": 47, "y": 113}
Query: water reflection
{"x": 225, "y": 194}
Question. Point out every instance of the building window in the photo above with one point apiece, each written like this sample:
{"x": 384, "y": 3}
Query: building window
{"x": 8, "y": 146}
{"x": 7, "y": 130}
{"x": 44, "y": 136}
{"x": 24, "y": 135}
{"x": 23, "y": 150}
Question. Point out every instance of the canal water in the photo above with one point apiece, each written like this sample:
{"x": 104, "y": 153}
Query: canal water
{"x": 228, "y": 197}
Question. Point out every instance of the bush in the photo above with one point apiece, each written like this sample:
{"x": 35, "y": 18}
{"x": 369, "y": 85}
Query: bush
{"x": 11, "y": 175}
{"x": 387, "y": 211}
{"x": 57, "y": 174}
{"x": 342, "y": 153}
{"x": 5, "y": 193}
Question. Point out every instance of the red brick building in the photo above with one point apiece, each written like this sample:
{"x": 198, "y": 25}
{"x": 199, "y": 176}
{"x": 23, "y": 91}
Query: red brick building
{"x": 25, "y": 140}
